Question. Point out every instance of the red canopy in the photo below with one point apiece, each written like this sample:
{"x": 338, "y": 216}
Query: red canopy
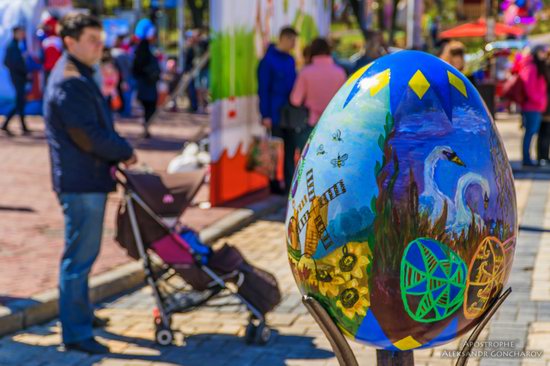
{"x": 479, "y": 29}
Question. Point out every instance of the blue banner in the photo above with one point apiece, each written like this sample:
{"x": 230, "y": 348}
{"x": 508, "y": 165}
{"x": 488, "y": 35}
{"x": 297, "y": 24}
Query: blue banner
{"x": 168, "y": 4}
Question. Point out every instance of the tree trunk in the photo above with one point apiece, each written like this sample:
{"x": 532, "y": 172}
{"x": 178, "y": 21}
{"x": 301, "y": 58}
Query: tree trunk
{"x": 381, "y": 5}
{"x": 393, "y": 28}
{"x": 99, "y": 8}
{"x": 197, "y": 12}
{"x": 357, "y": 11}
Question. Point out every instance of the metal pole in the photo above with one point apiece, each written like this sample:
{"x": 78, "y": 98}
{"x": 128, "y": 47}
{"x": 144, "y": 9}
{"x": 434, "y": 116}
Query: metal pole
{"x": 137, "y": 10}
{"x": 393, "y": 358}
{"x": 414, "y": 26}
{"x": 490, "y": 21}
{"x": 368, "y": 15}
{"x": 490, "y": 37}
{"x": 163, "y": 24}
{"x": 99, "y": 8}
{"x": 181, "y": 33}
{"x": 410, "y": 23}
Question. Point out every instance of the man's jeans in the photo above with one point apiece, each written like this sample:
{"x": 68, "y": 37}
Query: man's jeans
{"x": 83, "y": 213}
{"x": 531, "y": 122}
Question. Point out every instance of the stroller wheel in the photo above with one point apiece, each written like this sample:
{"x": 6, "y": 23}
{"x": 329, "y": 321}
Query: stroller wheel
{"x": 164, "y": 337}
{"x": 263, "y": 334}
{"x": 250, "y": 333}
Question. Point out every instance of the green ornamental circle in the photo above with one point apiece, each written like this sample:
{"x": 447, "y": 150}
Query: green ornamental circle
{"x": 433, "y": 280}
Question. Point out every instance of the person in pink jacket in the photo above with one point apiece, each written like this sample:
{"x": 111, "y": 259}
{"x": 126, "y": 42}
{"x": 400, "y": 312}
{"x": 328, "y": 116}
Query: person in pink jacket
{"x": 533, "y": 75}
{"x": 315, "y": 86}
{"x": 318, "y": 82}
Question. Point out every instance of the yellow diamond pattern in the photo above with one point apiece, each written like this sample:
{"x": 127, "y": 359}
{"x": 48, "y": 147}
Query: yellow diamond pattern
{"x": 419, "y": 84}
{"x": 356, "y": 75}
{"x": 457, "y": 83}
{"x": 407, "y": 343}
{"x": 382, "y": 79}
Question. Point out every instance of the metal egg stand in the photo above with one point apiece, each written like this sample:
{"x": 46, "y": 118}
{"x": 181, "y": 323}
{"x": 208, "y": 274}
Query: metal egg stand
{"x": 345, "y": 355}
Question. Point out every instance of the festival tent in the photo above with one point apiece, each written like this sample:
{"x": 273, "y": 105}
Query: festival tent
{"x": 479, "y": 29}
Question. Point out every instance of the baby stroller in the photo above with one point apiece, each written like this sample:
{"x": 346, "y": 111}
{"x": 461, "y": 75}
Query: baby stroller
{"x": 148, "y": 228}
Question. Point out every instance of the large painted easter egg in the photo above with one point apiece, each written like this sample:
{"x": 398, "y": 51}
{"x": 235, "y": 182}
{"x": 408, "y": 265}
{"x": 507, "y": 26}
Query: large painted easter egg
{"x": 402, "y": 213}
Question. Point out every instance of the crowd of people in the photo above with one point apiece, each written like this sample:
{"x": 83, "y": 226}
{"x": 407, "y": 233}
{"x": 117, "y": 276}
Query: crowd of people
{"x": 324, "y": 73}
{"x": 132, "y": 67}
{"x": 281, "y": 88}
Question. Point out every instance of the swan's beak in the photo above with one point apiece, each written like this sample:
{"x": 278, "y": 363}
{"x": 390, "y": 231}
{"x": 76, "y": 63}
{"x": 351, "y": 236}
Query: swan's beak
{"x": 457, "y": 161}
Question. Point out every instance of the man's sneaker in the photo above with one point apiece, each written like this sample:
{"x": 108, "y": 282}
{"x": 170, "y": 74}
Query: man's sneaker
{"x": 90, "y": 346}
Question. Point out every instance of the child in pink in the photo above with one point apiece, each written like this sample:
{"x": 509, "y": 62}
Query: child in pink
{"x": 110, "y": 78}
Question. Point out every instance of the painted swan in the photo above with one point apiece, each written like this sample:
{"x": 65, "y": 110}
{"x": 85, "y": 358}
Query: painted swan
{"x": 432, "y": 199}
{"x": 463, "y": 217}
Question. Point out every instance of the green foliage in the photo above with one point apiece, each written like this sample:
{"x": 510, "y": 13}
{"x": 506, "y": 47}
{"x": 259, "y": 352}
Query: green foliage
{"x": 294, "y": 253}
{"x": 306, "y": 27}
{"x": 381, "y": 142}
{"x": 349, "y": 43}
{"x": 373, "y": 204}
{"x": 543, "y": 26}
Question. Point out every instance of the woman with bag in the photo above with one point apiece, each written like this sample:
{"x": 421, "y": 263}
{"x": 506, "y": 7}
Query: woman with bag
{"x": 318, "y": 82}
{"x": 315, "y": 86}
{"x": 533, "y": 77}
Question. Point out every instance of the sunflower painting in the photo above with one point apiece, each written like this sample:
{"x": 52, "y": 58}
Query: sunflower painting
{"x": 353, "y": 300}
{"x": 339, "y": 281}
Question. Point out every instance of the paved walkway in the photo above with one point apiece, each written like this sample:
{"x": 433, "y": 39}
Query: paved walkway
{"x": 213, "y": 334}
{"x": 31, "y": 223}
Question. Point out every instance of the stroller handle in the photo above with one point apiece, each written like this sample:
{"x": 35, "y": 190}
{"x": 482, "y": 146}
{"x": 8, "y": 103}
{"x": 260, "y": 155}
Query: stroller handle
{"x": 118, "y": 174}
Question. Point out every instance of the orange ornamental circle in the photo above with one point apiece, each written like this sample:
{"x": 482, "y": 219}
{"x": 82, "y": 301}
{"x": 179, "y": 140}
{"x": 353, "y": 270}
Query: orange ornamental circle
{"x": 486, "y": 277}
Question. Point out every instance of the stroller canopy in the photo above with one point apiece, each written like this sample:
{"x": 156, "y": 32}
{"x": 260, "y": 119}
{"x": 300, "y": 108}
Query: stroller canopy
{"x": 168, "y": 195}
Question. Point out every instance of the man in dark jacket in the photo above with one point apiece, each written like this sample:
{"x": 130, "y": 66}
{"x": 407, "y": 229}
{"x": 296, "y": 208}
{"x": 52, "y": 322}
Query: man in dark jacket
{"x": 146, "y": 71}
{"x": 276, "y": 76}
{"x": 15, "y": 62}
{"x": 83, "y": 148}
